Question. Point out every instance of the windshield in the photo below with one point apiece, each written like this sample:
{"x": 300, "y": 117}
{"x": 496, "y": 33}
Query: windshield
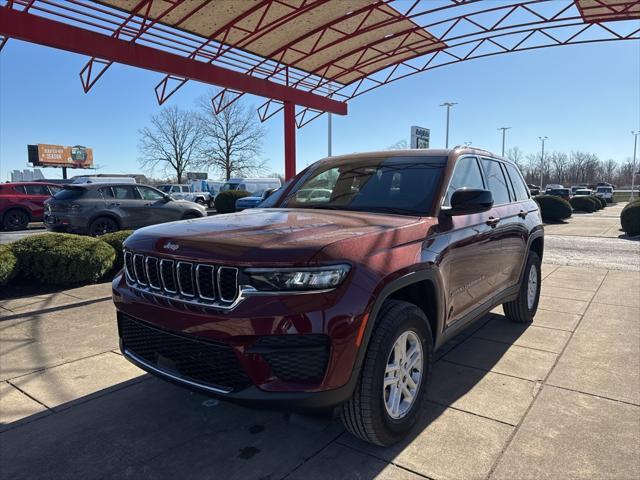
{"x": 605, "y": 189}
{"x": 399, "y": 185}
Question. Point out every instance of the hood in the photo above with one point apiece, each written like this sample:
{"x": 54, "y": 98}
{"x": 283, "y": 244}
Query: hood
{"x": 271, "y": 236}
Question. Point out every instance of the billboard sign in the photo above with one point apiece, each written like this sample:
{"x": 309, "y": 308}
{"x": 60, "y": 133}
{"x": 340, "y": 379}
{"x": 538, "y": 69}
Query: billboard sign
{"x": 197, "y": 176}
{"x": 44, "y": 155}
{"x": 419, "y": 137}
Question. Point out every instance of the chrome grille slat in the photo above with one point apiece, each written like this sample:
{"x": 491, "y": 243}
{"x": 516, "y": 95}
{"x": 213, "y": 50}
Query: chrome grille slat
{"x": 185, "y": 267}
{"x": 138, "y": 269}
{"x": 153, "y": 275}
{"x": 183, "y": 281}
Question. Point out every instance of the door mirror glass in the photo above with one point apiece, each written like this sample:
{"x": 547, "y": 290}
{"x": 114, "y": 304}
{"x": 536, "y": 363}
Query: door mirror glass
{"x": 470, "y": 200}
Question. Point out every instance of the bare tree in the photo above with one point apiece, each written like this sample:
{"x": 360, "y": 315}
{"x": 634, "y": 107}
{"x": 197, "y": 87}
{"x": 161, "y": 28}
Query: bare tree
{"x": 232, "y": 139}
{"x": 609, "y": 168}
{"x": 171, "y": 142}
{"x": 560, "y": 162}
{"x": 516, "y": 156}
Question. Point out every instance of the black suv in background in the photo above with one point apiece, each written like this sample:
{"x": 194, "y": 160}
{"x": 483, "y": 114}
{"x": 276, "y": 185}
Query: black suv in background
{"x": 97, "y": 209}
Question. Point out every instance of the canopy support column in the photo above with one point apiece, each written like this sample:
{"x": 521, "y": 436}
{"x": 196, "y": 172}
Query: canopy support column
{"x": 289, "y": 140}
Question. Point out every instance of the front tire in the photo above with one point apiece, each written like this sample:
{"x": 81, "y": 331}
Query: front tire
{"x": 394, "y": 377}
{"x": 524, "y": 307}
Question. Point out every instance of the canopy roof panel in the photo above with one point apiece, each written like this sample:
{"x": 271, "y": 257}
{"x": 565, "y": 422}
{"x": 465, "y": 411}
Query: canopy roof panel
{"x": 315, "y": 53}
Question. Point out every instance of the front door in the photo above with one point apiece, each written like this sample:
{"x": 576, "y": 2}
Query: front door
{"x": 469, "y": 256}
{"x": 155, "y": 208}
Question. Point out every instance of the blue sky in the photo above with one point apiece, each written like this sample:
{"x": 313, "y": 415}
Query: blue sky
{"x": 582, "y": 97}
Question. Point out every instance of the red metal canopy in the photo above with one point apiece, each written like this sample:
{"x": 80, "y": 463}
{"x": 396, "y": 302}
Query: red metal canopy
{"x": 313, "y": 54}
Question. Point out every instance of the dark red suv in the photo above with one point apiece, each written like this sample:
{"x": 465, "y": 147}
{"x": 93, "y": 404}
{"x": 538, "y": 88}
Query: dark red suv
{"x": 23, "y": 202}
{"x": 338, "y": 299}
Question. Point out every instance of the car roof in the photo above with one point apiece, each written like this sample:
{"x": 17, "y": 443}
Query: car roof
{"x": 419, "y": 152}
{"x": 11, "y": 184}
{"x": 105, "y": 184}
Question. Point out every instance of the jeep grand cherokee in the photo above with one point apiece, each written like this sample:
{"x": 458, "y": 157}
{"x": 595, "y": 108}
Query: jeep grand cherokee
{"x": 337, "y": 300}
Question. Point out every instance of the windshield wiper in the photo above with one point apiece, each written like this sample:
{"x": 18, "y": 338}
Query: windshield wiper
{"x": 392, "y": 210}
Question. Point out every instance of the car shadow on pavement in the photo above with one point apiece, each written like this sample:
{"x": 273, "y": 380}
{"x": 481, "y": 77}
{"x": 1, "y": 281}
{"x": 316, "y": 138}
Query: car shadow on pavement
{"x": 148, "y": 428}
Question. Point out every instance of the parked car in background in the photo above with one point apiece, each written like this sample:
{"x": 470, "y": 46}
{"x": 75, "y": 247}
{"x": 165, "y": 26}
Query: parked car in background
{"x": 255, "y": 186}
{"x": 96, "y": 209}
{"x": 186, "y": 191}
{"x": 534, "y": 189}
{"x": 552, "y": 186}
{"x": 253, "y": 202}
{"x": 582, "y": 192}
{"x": 606, "y": 193}
{"x": 575, "y": 188}
{"x": 339, "y": 302}
{"x": 564, "y": 193}
{"x": 83, "y": 180}
{"x": 23, "y": 202}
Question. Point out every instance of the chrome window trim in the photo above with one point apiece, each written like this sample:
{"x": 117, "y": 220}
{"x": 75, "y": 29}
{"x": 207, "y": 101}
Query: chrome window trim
{"x": 135, "y": 269}
{"x": 164, "y": 285}
{"x": 146, "y": 265}
{"x": 182, "y": 292}
{"x": 139, "y": 360}
{"x": 213, "y": 281}
{"x": 453, "y": 173}
{"x": 220, "y": 289}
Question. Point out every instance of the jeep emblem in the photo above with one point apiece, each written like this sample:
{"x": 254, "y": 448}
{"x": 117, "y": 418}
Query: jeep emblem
{"x": 171, "y": 246}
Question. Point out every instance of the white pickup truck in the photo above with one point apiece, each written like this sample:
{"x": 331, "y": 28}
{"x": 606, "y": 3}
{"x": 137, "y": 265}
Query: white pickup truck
{"x": 186, "y": 192}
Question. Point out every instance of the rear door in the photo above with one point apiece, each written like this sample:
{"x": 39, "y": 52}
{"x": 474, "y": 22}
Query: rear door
{"x": 36, "y": 194}
{"x": 510, "y": 230}
{"x": 125, "y": 203}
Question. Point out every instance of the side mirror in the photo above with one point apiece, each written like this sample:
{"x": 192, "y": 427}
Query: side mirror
{"x": 267, "y": 193}
{"x": 465, "y": 201}
{"x": 167, "y": 198}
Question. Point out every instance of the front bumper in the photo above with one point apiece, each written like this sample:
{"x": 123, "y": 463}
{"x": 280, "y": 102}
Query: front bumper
{"x": 294, "y": 352}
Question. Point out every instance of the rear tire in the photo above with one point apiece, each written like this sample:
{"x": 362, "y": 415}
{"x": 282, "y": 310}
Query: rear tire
{"x": 15, "y": 219}
{"x": 102, "y": 226}
{"x": 523, "y": 308}
{"x": 371, "y": 414}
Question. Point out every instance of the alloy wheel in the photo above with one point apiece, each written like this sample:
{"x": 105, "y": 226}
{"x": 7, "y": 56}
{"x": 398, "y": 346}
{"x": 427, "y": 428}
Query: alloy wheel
{"x": 403, "y": 375}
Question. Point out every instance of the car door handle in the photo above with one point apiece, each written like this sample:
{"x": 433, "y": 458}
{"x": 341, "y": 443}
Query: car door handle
{"x": 492, "y": 222}
{"x": 115, "y": 204}
{"x": 523, "y": 214}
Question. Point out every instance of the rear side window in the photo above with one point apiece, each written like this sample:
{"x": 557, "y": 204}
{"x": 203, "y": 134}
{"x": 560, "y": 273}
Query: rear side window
{"x": 520, "y": 188}
{"x": 496, "y": 181}
{"x": 37, "y": 190}
{"x": 123, "y": 193}
{"x": 466, "y": 175}
{"x": 69, "y": 193}
{"x": 19, "y": 189}
{"x": 106, "y": 192}
{"x": 185, "y": 189}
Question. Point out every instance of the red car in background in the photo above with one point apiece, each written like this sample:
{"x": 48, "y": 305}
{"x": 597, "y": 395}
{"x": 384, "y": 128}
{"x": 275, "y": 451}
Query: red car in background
{"x": 23, "y": 202}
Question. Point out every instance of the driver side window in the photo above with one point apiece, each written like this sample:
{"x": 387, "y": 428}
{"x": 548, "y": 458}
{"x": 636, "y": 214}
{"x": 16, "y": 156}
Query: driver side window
{"x": 466, "y": 175}
{"x": 149, "y": 193}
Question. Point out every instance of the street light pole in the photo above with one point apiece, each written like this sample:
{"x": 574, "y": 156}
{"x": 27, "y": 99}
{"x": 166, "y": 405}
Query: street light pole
{"x": 329, "y": 129}
{"x": 542, "y": 139}
{"x": 504, "y": 131}
{"x": 633, "y": 167}
{"x": 448, "y": 105}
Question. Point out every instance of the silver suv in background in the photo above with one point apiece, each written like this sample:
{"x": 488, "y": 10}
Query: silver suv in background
{"x": 185, "y": 191}
{"x": 96, "y": 209}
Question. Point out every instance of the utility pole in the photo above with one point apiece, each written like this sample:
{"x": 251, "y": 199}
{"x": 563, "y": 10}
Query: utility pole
{"x": 633, "y": 168}
{"x": 542, "y": 139}
{"x": 448, "y": 105}
{"x": 504, "y": 131}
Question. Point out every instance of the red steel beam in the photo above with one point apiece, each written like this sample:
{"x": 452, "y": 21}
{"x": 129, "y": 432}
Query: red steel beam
{"x": 43, "y": 31}
{"x": 289, "y": 140}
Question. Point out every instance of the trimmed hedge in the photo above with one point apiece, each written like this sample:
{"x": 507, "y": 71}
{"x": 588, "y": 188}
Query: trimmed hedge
{"x": 603, "y": 202}
{"x": 8, "y": 264}
{"x": 630, "y": 218}
{"x": 584, "y": 204}
{"x": 552, "y": 207}
{"x": 116, "y": 239}
{"x": 226, "y": 201}
{"x": 60, "y": 258}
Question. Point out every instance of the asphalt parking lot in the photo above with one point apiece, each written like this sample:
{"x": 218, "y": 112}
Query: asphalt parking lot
{"x": 558, "y": 399}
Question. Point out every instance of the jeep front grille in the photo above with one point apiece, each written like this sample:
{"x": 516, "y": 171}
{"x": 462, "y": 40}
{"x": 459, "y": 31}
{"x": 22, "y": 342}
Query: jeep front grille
{"x": 203, "y": 284}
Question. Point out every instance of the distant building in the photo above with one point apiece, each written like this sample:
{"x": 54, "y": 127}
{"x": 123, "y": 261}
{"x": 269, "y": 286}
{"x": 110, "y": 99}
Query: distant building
{"x": 26, "y": 175}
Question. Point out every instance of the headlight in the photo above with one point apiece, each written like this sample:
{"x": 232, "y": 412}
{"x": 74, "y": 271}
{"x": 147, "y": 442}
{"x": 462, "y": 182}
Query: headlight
{"x": 280, "y": 279}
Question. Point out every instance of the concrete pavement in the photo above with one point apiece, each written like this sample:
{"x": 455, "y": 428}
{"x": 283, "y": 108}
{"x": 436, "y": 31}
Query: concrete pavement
{"x": 557, "y": 399}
